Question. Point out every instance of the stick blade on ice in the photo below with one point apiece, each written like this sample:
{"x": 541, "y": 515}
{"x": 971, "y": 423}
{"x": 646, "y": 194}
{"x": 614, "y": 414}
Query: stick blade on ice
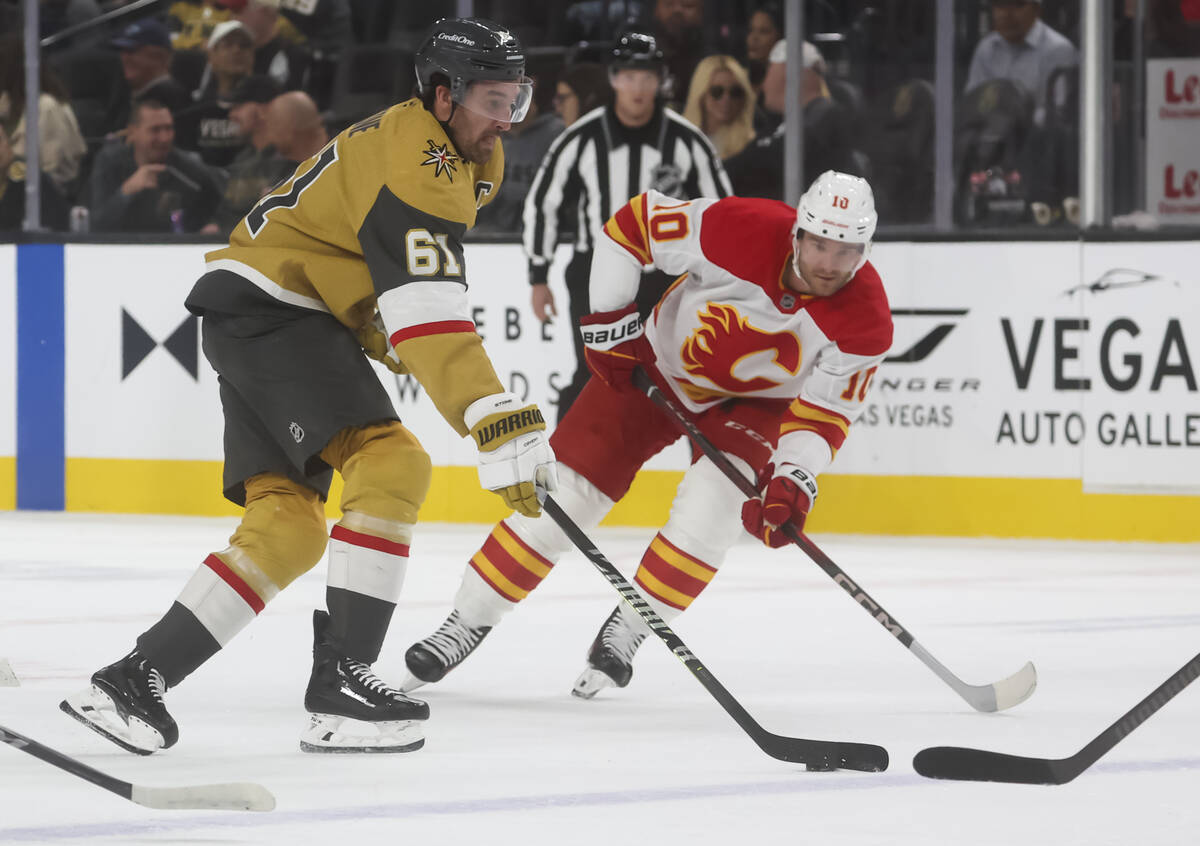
{"x": 210, "y": 797}
{"x": 961, "y": 764}
{"x": 1016, "y": 688}
{"x": 999, "y": 696}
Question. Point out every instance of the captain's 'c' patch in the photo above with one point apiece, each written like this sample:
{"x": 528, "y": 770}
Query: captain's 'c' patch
{"x": 441, "y": 158}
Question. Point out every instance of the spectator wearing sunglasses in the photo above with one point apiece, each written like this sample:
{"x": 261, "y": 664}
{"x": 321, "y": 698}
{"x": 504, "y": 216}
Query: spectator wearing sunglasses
{"x": 721, "y": 102}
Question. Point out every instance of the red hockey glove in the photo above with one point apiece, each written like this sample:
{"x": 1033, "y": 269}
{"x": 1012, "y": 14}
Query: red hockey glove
{"x": 614, "y": 344}
{"x": 790, "y": 494}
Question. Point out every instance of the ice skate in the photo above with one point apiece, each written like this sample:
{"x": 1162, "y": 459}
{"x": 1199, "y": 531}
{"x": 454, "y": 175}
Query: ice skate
{"x": 351, "y": 709}
{"x": 430, "y": 659}
{"x": 610, "y": 659}
{"x": 125, "y": 705}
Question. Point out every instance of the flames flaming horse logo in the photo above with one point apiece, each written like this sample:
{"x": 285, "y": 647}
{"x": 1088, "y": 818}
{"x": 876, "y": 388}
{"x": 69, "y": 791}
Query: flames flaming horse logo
{"x": 724, "y": 338}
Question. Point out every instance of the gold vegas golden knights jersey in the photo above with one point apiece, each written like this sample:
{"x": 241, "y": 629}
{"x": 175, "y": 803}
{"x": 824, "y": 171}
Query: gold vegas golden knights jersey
{"x": 373, "y": 223}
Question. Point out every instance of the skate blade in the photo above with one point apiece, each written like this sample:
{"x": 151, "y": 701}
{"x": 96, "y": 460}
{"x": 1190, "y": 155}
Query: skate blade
{"x": 329, "y": 733}
{"x": 96, "y": 710}
{"x": 590, "y": 682}
{"x": 411, "y": 683}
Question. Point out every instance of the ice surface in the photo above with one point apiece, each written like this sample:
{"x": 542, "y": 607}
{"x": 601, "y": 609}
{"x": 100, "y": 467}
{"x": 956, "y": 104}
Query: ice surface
{"x": 511, "y": 757}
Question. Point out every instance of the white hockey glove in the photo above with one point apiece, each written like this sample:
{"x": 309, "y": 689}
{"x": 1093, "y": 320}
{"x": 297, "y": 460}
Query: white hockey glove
{"x": 514, "y": 452}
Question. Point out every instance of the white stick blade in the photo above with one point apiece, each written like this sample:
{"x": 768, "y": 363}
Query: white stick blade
{"x": 1016, "y": 688}
{"x": 210, "y": 797}
{"x": 7, "y": 677}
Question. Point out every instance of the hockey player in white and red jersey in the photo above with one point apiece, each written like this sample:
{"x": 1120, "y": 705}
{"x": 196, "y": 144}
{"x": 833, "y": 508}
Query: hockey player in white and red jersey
{"x": 770, "y": 337}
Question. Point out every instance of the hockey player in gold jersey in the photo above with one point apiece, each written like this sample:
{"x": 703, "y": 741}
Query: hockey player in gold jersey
{"x": 359, "y": 252}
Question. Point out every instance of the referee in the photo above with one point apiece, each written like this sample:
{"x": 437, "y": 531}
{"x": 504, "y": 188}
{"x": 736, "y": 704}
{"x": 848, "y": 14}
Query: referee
{"x": 608, "y": 156}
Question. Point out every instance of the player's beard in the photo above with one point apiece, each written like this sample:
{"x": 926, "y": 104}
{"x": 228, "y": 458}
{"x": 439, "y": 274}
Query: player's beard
{"x": 475, "y": 150}
{"x": 481, "y": 151}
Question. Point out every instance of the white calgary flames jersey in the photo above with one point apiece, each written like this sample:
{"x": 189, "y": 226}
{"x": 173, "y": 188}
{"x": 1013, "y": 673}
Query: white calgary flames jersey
{"x": 729, "y": 327}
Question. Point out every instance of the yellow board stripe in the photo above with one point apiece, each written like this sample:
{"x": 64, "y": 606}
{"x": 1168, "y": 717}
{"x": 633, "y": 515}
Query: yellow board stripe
{"x": 681, "y": 562}
{"x": 8, "y": 483}
{"x": 523, "y": 557}
{"x": 498, "y": 579}
{"x": 661, "y": 591}
{"x": 893, "y": 505}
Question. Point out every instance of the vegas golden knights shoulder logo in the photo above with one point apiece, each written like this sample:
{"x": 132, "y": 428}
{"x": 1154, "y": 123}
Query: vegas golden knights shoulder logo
{"x": 441, "y": 158}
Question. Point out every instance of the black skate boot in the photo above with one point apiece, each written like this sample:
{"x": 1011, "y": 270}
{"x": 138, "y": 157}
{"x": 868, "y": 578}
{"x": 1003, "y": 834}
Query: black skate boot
{"x": 351, "y": 709}
{"x": 430, "y": 659}
{"x": 125, "y": 704}
{"x": 610, "y": 659}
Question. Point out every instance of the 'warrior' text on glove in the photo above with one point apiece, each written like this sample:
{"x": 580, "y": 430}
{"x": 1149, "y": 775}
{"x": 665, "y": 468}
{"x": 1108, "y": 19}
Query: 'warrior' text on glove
{"x": 514, "y": 452}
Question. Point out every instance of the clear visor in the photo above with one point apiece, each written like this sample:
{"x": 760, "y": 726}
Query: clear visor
{"x": 507, "y": 102}
{"x": 827, "y": 256}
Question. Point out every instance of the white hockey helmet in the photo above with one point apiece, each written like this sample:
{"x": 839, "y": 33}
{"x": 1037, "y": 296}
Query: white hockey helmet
{"x": 841, "y": 207}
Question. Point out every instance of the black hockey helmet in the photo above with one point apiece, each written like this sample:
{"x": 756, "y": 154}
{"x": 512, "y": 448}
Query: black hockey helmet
{"x": 637, "y": 50}
{"x": 467, "y": 50}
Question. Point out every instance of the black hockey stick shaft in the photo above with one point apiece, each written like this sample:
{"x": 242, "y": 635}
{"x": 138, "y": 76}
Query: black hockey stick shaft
{"x": 1003, "y": 694}
{"x": 963, "y": 764}
{"x": 819, "y": 754}
{"x": 26, "y": 744}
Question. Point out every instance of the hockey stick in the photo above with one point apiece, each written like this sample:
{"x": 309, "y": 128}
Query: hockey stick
{"x": 998, "y": 696}
{"x": 956, "y": 762}
{"x": 213, "y": 797}
{"x": 816, "y": 754}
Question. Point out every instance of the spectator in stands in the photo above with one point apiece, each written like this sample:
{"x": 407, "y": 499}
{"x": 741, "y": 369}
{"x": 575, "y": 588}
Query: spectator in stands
{"x": 145, "y": 48}
{"x": 206, "y": 127}
{"x": 525, "y": 146}
{"x": 145, "y": 184}
{"x": 721, "y": 102}
{"x": 258, "y": 167}
{"x": 295, "y": 127}
{"x": 582, "y": 87}
{"x": 812, "y": 83}
{"x": 1023, "y": 49}
{"x": 279, "y": 50}
{"x": 829, "y": 142}
{"x": 61, "y": 147}
{"x": 12, "y": 193}
{"x": 679, "y": 30}
{"x": 764, "y": 29}
{"x": 192, "y": 22}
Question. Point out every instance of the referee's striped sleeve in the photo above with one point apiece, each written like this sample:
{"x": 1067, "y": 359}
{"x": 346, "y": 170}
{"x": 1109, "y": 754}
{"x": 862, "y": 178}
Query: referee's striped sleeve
{"x": 714, "y": 181}
{"x": 540, "y": 218}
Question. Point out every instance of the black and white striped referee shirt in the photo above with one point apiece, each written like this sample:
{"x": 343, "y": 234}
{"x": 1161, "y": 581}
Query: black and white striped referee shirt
{"x": 598, "y": 165}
